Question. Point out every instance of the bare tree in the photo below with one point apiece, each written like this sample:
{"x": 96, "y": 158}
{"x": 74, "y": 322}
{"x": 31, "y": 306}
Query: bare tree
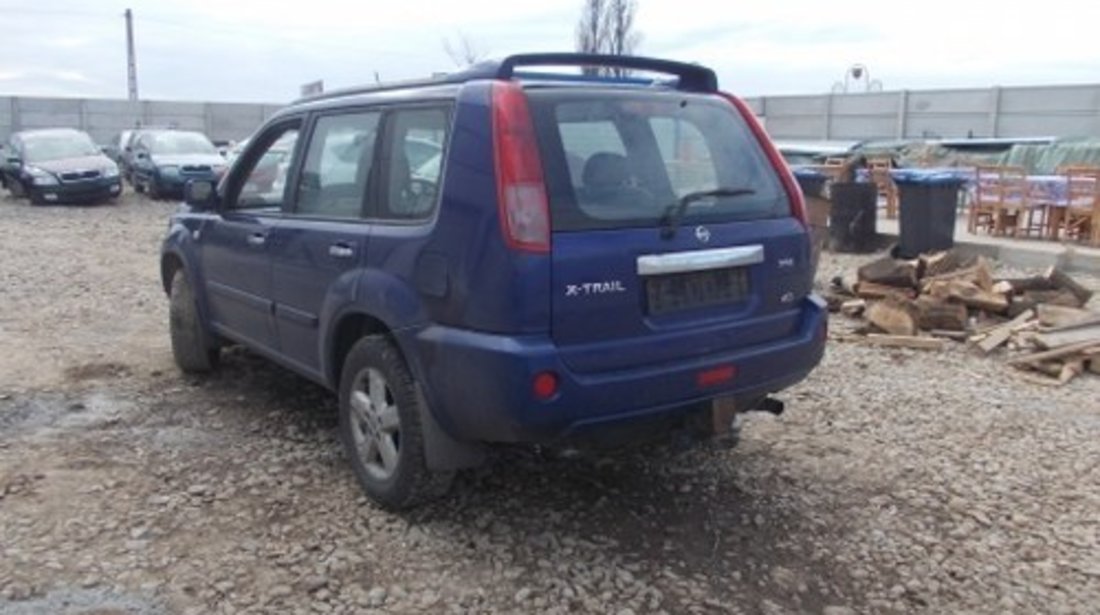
{"x": 591, "y": 36}
{"x": 619, "y": 26}
{"x": 607, "y": 26}
{"x": 463, "y": 52}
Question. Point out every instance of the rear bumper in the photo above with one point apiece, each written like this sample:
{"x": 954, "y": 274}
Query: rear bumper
{"x": 79, "y": 192}
{"x": 479, "y": 384}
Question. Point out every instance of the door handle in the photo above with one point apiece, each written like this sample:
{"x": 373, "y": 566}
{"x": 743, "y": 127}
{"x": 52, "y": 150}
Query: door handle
{"x": 256, "y": 240}
{"x": 341, "y": 250}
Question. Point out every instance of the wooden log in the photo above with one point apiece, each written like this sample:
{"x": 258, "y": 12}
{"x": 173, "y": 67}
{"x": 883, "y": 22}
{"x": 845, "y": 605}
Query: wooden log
{"x": 1020, "y": 285}
{"x": 853, "y": 307}
{"x": 844, "y": 284}
{"x": 987, "y": 324}
{"x": 1063, "y": 281}
{"x": 958, "y": 336}
{"x": 889, "y": 272}
{"x": 1050, "y": 368}
{"x": 1060, "y": 296}
{"x": 1054, "y": 315}
{"x": 1018, "y": 305}
{"x": 938, "y": 263}
{"x": 970, "y": 295}
{"x": 1055, "y": 353}
{"x": 870, "y": 290}
{"x": 905, "y": 341}
{"x": 1000, "y": 335}
{"x": 833, "y": 301}
{"x": 1070, "y": 370}
{"x": 939, "y": 289}
{"x": 983, "y": 275}
{"x": 936, "y": 313}
{"x": 1095, "y": 320}
{"x": 894, "y": 316}
{"x": 1003, "y": 288}
{"x": 1036, "y": 379}
{"x": 1070, "y": 336}
{"x": 967, "y": 273}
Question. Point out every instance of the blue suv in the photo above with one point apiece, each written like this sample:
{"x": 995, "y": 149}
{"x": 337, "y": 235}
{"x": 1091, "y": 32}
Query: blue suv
{"x": 576, "y": 259}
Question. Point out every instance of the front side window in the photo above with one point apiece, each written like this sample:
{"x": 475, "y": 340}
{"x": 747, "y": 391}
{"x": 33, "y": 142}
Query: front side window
{"x": 414, "y": 166}
{"x": 338, "y": 164}
{"x": 267, "y": 166}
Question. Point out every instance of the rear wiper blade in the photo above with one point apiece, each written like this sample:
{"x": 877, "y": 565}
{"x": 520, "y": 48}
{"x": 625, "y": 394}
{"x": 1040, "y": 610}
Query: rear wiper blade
{"x": 670, "y": 220}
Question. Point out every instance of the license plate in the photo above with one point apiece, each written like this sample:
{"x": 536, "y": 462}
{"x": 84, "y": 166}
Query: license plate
{"x": 683, "y": 291}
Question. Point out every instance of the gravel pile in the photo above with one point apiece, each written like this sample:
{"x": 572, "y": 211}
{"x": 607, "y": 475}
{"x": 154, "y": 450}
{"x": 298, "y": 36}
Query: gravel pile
{"x": 898, "y": 480}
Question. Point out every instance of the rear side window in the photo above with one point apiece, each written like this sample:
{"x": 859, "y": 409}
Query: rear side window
{"x": 414, "y": 163}
{"x": 622, "y": 159}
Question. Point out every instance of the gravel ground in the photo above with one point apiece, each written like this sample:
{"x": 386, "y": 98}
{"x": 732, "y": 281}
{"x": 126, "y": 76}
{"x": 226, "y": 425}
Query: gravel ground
{"x": 898, "y": 481}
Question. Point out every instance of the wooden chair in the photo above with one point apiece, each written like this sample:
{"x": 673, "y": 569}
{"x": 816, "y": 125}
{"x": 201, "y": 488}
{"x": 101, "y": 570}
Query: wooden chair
{"x": 879, "y": 168}
{"x": 1000, "y": 200}
{"x": 1081, "y": 217}
{"x": 833, "y": 167}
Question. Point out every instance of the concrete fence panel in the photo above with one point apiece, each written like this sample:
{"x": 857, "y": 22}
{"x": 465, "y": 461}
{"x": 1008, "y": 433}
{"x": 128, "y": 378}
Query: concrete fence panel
{"x": 1058, "y": 111}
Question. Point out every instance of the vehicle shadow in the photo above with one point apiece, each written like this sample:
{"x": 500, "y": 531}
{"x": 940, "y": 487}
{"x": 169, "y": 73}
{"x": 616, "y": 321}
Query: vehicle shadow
{"x": 709, "y": 521}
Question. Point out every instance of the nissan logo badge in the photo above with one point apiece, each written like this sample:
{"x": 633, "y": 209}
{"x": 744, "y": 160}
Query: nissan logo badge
{"x": 702, "y": 233}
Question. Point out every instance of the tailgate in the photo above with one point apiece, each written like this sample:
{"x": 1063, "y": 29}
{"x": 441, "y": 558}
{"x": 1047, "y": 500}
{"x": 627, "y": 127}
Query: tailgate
{"x": 627, "y": 298}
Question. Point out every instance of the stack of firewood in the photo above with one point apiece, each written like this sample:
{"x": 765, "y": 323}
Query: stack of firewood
{"x": 925, "y": 302}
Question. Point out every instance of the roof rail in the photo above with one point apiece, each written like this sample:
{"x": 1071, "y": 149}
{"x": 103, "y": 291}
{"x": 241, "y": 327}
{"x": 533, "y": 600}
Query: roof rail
{"x": 690, "y": 77}
{"x": 459, "y": 77}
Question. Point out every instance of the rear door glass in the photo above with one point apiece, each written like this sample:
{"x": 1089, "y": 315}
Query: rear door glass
{"x": 622, "y": 159}
{"x": 333, "y": 181}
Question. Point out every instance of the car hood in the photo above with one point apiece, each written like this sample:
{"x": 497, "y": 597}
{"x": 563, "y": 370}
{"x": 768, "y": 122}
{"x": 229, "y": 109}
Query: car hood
{"x": 96, "y": 162}
{"x": 182, "y": 159}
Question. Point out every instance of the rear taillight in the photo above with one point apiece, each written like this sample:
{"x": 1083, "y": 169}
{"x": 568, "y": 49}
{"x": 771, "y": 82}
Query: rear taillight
{"x": 798, "y": 202}
{"x": 521, "y": 192}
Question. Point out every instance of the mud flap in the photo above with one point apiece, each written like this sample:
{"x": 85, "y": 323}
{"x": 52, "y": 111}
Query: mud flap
{"x": 442, "y": 452}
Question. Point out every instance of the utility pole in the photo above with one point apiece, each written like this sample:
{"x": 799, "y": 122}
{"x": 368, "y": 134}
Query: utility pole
{"x": 131, "y": 62}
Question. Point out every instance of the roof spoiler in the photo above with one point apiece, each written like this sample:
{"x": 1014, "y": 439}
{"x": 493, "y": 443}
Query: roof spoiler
{"x": 689, "y": 77}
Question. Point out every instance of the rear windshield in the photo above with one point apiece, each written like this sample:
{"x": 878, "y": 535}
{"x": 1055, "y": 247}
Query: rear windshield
{"x": 616, "y": 159}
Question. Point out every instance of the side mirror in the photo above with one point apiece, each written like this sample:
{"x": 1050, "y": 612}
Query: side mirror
{"x": 141, "y": 155}
{"x": 200, "y": 194}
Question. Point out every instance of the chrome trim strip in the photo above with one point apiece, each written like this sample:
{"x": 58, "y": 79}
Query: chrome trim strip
{"x": 700, "y": 260}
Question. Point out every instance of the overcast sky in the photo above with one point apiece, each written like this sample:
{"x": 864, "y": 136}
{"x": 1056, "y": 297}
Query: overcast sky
{"x": 263, "y": 50}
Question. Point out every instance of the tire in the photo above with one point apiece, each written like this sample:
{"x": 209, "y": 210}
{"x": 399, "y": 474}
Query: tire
{"x": 138, "y": 187}
{"x": 34, "y": 197}
{"x": 153, "y": 190}
{"x": 193, "y": 352}
{"x": 380, "y": 403}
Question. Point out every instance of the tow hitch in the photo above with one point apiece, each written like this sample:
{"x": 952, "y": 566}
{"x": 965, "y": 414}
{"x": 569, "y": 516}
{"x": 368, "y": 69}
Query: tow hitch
{"x": 770, "y": 405}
